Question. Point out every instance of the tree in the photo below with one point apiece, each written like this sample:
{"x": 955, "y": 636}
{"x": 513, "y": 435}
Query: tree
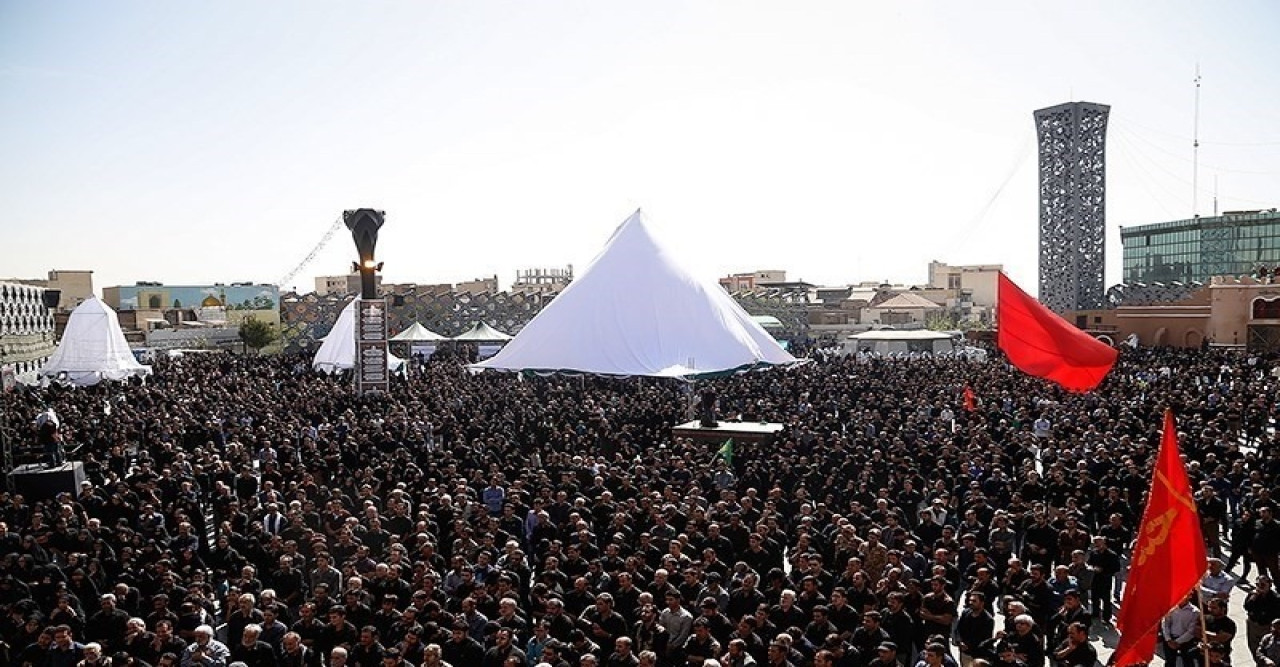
{"x": 257, "y": 334}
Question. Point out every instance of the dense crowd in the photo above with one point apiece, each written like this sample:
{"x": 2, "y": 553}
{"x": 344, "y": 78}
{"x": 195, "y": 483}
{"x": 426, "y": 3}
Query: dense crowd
{"x": 245, "y": 509}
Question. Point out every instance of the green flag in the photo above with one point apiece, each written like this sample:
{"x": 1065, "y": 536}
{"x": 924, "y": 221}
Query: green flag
{"x": 726, "y": 452}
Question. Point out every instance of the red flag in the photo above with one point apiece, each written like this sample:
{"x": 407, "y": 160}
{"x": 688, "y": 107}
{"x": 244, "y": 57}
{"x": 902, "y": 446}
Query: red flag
{"x": 1168, "y": 555}
{"x": 1042, "y": 344}
{"x": 970, "y": 403}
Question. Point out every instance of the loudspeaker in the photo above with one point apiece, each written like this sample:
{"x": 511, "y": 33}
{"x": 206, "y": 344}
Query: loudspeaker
{"x": 36, "y": 482}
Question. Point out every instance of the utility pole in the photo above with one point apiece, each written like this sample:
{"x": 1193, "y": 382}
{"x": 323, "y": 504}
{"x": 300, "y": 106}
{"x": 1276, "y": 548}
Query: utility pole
{"x": 1195, "y": 152}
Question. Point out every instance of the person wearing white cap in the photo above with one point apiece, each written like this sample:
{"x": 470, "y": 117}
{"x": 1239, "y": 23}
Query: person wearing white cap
{"x": 205, "y": 651}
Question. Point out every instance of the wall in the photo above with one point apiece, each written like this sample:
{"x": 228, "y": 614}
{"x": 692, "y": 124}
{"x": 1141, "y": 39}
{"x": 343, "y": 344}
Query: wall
{"x": 1232, "y": 302}
{"x": 76, "y": 286}
{"x": 342, "y": 285}
{"x": 26, "y": 330}
{"x": 235, "y": 297}
{"x": 1220, "y": 313}
{"x": 980, "y": 280}
{"x": 308, "y": 317}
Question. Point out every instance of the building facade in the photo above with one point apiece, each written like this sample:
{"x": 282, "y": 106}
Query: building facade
{"x": 968, "y": 291}
{"x": 1228, "y": 311}
{"x": 1073, "y": 195}
{"x": 26, "y": 332}
{"x": 542, "y": 280}
{"x": 478, "y": 286}
{"x": 191, "y": 316}
{"x": 742, "y": 282}
{"x": 342, "y": 285}
{"x": 1196, "y": 250}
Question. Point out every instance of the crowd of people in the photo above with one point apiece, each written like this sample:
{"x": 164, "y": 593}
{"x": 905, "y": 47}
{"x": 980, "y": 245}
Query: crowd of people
{"x": 248, "y": 510}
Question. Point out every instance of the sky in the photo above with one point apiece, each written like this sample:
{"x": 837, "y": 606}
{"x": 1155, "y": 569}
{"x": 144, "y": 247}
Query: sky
{"x": 193, "y": 143}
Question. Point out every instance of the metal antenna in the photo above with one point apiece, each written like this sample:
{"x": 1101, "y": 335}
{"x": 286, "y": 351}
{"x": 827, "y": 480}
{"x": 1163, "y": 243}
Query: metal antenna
{"x": 1215, "y": 195}
{"x": 1195, "y": 152}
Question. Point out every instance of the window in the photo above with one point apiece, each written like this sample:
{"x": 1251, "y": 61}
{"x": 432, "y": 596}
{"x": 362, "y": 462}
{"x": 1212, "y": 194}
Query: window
{"x": 1264, "y": 309}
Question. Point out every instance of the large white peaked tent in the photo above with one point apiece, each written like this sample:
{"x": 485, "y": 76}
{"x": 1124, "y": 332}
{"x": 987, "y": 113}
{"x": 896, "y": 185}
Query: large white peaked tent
{"x": 93, "y": 348}
{"x": 636, "y": 311}
{"x": 338, "y": 351}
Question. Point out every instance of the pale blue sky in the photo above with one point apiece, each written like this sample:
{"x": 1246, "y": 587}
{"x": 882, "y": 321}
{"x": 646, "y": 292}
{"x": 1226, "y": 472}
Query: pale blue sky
{"x": 200, "y": 142}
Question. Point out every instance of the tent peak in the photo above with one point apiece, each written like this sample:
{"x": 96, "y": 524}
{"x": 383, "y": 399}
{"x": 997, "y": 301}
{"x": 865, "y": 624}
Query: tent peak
{"x": 637, "y": 311}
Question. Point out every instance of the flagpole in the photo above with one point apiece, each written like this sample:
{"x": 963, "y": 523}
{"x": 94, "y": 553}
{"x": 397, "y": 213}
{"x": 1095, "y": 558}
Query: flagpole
{"x": 1204, "y": 627}
{"x": 1168, "y": 555}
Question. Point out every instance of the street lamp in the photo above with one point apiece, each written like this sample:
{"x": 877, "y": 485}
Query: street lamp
{"x": 364, "y": 224}
{"x": 371, "y": 312}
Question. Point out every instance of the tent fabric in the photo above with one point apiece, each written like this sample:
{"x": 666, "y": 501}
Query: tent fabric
{"x": 93, "y": 348}
{"x": 482, "y": 332}
{"x": 417, "y": 333}
{"x": 636, "y": 311}
{"x": 338, "y": 351}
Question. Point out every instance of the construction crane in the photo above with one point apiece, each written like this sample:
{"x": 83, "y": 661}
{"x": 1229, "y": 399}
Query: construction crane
{"x": 324, "y": 240}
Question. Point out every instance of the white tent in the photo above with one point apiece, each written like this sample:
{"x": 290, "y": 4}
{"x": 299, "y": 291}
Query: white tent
{"x": 416, "y": 333}
{"x": 635, "y": 311}
{"x": 338, "y": 351}
{"x": 482, "y": 333}
{"x": 892, "y": 341}
{"x": 93, "y": 348}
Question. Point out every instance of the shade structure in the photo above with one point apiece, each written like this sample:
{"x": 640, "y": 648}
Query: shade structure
{"x": 636, "y": 311}
{"x": 482, "y": 333}
{"x": 338, "y": 351}
{"x": 93, "y": 348}
{"x": 416, "y": 333}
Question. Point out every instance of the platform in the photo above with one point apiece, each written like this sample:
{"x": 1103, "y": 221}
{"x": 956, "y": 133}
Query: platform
{"x": 752, "y": 432}
{"x": 36, "y": 482}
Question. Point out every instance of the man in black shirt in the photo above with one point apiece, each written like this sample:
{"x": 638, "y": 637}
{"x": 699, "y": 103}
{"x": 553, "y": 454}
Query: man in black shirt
{"x": 1075, "y": 650}
{"x": 338, "y": 632}
{"x": 1105, "y": 564}
{"x": 1261, "y": 607}
{"x": 251, "y": 651}
{"x": 976, "y": 626}
{"x": 462, "y": 649}
{"x": 1218, "y": 627}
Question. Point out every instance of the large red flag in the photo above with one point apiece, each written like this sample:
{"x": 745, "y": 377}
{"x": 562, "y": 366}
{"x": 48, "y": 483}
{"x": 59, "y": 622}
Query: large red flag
{"x": 1168, "y": 555}
{"x": 1042, "y": 344}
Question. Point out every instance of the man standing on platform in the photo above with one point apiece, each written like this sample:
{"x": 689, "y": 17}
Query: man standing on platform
{"x": 49, "y": 437}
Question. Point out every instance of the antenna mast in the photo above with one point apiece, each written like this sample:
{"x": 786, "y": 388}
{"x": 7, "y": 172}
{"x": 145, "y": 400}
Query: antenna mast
{"x": 1195, "y": 152}
{"x": 1215, "y": 195}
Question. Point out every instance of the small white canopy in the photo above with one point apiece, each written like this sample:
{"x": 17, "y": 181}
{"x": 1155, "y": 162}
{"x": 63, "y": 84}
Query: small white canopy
{"x": 893, "y": 341}
{"x": 894, "y": 334}
{"x": 93, "y": 348}
{"x": 482, "y": 333}
{"x": 338, "y": 351}
{"x": 636, "y": 311}
{"x": 767, "y": 321}
{"x": 416, "y": 333}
